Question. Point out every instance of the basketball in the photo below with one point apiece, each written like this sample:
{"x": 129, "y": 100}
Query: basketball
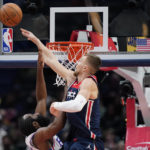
{"x": 10, "y": 14}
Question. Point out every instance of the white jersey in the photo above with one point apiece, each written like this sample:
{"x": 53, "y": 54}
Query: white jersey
{"x": 57, "y": 143}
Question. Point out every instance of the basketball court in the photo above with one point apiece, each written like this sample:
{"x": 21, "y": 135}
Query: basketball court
{"x": 70, "y": 39}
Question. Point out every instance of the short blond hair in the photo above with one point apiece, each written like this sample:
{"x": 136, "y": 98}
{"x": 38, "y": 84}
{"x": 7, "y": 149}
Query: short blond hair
{"x": 94, "y": 62}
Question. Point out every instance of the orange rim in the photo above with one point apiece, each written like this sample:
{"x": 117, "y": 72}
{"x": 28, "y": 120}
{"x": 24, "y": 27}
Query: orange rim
{"x": 75, "y": 49}
{"x": 64, "y": 46}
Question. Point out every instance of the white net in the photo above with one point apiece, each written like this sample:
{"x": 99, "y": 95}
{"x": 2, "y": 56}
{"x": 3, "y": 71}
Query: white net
{"x": 69, "y": 58}
{"x": 69, "y": 65}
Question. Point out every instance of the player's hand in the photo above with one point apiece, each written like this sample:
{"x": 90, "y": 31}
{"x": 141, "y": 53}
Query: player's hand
{"x": 53, "y": 111}
{"x": 29, "y": 35}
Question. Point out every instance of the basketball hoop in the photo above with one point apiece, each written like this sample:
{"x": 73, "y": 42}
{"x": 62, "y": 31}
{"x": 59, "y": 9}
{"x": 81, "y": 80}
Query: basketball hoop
{"x": 68, "y": 53}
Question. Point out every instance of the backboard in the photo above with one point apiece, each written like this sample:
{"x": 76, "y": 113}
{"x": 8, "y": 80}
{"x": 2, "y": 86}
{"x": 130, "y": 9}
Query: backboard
{"x": 71, "y": 15}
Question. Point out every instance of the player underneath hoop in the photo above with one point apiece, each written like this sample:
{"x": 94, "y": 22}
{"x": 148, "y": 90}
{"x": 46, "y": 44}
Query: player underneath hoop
{"x": 40, "y": 134}
{"x": 82, "y": 103}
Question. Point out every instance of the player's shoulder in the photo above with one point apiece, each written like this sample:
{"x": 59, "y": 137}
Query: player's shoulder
{"x": 87, "y": 82}
{"x": 91, "y": 79}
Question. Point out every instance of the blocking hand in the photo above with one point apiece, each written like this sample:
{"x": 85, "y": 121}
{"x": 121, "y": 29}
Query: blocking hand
{"x": 29, "y": 35}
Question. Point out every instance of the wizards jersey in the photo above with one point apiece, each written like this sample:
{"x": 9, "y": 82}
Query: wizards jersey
{"x": 86, "y": 123}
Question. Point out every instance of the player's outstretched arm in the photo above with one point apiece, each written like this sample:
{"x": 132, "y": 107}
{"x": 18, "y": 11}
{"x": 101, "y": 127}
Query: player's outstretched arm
{"x": 48, "y": 56}
{"x": 46, "y": 133}
{"x": 41, "y": 92}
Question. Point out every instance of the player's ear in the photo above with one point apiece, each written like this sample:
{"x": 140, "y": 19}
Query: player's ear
{"x": 35, "y": 124}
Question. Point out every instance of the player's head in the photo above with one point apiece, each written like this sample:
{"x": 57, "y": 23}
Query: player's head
{"x": 29, "y": 123}
{"x": 89, "y": 64}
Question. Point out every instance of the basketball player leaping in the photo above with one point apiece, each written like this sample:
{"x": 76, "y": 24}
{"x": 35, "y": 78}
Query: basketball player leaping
{"x": 40, "y": 134}
{"x": 82, "y": 102}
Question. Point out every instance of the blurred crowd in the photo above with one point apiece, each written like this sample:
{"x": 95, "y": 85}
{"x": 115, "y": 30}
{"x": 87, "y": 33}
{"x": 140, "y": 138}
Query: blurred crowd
{"x": 17, "y": 97}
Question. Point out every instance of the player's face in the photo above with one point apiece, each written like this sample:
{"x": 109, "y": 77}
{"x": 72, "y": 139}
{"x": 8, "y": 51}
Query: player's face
{"x": 80, "y": 65}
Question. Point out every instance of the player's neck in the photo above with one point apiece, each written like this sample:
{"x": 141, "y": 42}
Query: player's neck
{"x": 82, "y": 76}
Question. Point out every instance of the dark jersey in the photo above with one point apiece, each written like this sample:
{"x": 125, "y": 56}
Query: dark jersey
{"x": 86, "y": 123}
